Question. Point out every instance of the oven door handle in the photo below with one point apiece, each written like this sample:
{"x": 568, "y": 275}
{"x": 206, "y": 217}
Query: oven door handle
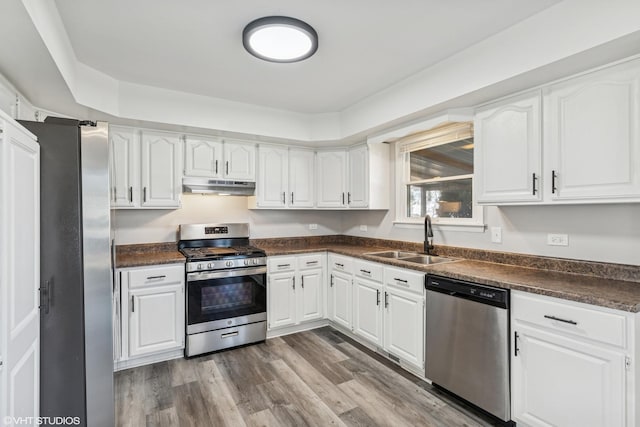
{"x": 206, "y": 275}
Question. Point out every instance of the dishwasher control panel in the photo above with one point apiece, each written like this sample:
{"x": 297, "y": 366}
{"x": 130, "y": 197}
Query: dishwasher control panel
{"x": 473, "y": 291}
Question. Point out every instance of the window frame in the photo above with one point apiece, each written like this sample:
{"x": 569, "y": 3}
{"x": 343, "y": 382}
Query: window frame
{"x": 403, "y": 180}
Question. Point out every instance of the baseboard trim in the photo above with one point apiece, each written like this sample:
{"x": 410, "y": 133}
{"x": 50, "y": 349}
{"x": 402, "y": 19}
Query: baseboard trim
{"x": 148, "y": 360}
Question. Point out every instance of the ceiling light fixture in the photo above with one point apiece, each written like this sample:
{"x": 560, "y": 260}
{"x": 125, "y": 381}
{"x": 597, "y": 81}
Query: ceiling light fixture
{"x": 280, "y": 39}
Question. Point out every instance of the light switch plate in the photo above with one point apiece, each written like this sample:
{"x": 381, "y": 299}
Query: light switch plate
{"x": 496, "y": 234}
{"x": 558, "y": 239}
{"x": 313, "y": 226}
{"x": 363, "y": 228}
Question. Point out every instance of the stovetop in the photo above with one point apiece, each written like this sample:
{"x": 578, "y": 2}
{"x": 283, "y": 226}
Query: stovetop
{"x": 217, "y": 253}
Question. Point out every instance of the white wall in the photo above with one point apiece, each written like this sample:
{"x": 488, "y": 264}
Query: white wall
{"x": 150, "y": 226}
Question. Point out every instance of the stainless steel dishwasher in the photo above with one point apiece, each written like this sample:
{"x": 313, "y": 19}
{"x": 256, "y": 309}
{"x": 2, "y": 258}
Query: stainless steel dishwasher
{"x": 467, "y": 343}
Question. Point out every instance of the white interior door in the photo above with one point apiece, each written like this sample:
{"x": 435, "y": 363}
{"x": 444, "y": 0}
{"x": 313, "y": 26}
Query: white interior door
{"x": 19, "y": 274}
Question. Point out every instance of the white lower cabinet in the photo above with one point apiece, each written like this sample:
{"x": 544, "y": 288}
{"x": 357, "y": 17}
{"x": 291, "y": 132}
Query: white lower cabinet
{"x": 367, "y": 310}
{"x": 295, "y": 289}
{"x": 570, "y": 364}
{"x": 340, "y": 298}
{"x": 152, "y": 312}
{"x": 404, "y": 315}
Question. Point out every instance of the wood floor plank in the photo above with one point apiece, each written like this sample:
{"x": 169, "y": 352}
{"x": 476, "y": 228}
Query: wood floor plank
{"x": 217, "y": 395}
{"x": 262, "y": 419}
{"x": 314, "y": 378}
{"x": 163, "y": 418}
{"x": 298, "y": 393}
{"x": 323, "y": 387}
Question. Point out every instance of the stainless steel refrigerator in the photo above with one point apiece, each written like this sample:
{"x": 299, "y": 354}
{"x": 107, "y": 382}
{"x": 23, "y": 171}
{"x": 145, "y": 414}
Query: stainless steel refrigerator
{"x": 76, "y": 355}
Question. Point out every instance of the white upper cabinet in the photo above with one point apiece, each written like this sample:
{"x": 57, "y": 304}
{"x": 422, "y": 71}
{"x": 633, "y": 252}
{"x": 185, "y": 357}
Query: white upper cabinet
{"x": 592, "y": 128}
{"x": 239, "y": 160}
{"x": 358, "y": 191}
{"x": 161, "y": 169}
{"x": 332, "y": 179}
{"x": 590, "y": 145}
{"x": 301, "y": 178}
{"x": 203, "y": 157}
{"x": 124, "y": 161}
{"x": 272, "y": 176}
{"x": 508, "y": 149}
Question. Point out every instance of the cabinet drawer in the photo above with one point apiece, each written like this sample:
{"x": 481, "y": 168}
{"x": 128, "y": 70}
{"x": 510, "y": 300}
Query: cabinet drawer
{"x": 341, "y": 263}
{"x": 566, "y": 317}
{"x": 285, "y": 263}
{"x": 369, "y": 270}
{"x": 404, "y": 279}
{"x": 156, "y": 276}
{"x": 306, "y": 262}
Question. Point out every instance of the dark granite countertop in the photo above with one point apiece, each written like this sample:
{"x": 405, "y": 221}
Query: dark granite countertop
{"x": 538, "y": 275}
{"x": 617, "y": 294}
{"x": 147, "y": 254}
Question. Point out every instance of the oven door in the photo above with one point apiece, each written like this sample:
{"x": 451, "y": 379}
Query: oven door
{"x": 222, "y": 299}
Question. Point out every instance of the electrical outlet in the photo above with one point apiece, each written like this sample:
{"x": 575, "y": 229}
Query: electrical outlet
{"x": 558, "y": 239}
{"x": 313, "y": 226}
{"x": 363, "y": 227}
{"x": 496, "y": 234}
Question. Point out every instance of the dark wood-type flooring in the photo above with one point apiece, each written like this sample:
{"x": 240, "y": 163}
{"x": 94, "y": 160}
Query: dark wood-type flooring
{"x": 314, "y": 378}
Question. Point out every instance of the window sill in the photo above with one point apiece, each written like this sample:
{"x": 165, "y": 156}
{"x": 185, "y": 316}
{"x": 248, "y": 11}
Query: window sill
{"x": 469, "y": 227}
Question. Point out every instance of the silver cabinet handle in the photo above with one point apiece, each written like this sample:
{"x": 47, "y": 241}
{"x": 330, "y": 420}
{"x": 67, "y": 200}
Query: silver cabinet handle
{"x": 130, "y": 194}
{"x": 554, "y": 176}
{"x": 292, "y": 197}
{"x": 535, "y": 178}
{"x": 386, "y": 300}
{"x": 331, "y": 281}
{"x": 115, "y": 194}
{"x": 377, "y": 296}
{"x": 283, "y": 265}
{"x": 366, "y": 272}
{"x": 400, "y": 280}
{"x": 302, "y": 281}
{"x": 284, "y": 197}
{"x": 227, "y": 167}
{"x": 343, "y": 198}
{"x": 216, "y": 167}
{"x": 144, "y": 194}
{"x": 156, "y": 277}
{"x": 349, "y": 198}
{"x": 294, "y": 283}
{"x": 571, "y": 322}
{"x": 133, "y": 304}
{"x": 312, "y": 262}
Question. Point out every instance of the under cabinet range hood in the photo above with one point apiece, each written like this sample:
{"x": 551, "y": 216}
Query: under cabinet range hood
{"x": 218, "y": 186}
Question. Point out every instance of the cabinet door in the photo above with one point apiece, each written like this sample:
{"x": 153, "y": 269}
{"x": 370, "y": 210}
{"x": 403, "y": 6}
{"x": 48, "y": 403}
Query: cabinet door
{"x": 272, "y": 176}
{"x": 239, "y": 161}
{"x": 404, "y": 326}
{"x": 331, "y": 179}
{"x": 156, "y": 319}
{"x": 367, "y": 310}
{"x": 301, "y": 178}
{"x": 507, "y": 152}
{"x": 340, "y": 299}
{"x": 281, "y": 299}
{"x": 161, "y": 170}
{"x": 124, "y": 163}
{"x": 19, "y": 277}
{"x": 203, "y": 157}
{"x": 358, "y": 192}
{"x": 557, "y": 381}
{"x": 593, "y": 133}
{"x": 310, "y": 295}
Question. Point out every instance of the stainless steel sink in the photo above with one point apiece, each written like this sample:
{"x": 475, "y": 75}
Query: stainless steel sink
{"x": 414, "y": 257}
{"x": 428, "y": 259}
{"x": 394, "y": 254}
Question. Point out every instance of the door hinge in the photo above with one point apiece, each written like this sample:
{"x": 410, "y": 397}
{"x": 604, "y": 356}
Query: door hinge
{"x": 627, "y": 362}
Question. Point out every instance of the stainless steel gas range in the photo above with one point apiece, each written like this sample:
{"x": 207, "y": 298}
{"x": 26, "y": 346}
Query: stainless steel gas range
{"x": 226, "y": 287}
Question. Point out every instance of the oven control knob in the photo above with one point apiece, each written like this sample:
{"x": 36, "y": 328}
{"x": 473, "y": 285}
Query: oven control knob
{"x": 199, "y": 266}
{"x": 247, "y": 261}
{"x": 254, "y": 261}
{"x": 210, "y": 265}
{"x": 229, "y": 263}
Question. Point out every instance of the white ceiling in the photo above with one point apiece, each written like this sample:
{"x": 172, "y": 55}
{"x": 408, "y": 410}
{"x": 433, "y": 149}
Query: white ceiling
{"x": 195, "y": 46}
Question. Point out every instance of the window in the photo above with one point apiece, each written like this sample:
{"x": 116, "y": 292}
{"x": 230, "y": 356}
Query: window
{"x": 437, "y": 176}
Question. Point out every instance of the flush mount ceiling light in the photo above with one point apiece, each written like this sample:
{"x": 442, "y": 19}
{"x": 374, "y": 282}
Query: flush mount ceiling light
{"x": 280, "y": 39}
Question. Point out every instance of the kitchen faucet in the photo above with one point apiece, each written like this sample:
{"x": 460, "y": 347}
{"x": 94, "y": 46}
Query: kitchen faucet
{"x": 428, "y": 233}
